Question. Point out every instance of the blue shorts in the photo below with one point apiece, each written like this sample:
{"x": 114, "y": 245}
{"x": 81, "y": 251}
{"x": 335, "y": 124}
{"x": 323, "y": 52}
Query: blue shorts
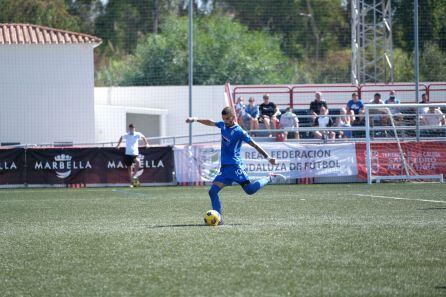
{"x": 232, "y": 173}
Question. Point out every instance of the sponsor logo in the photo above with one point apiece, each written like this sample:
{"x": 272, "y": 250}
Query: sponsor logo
{"x": 5, "y": 165}
{"x": 209, "y": 163}
{"x": 144, "y": 163}
{"x": 62, "y": 165}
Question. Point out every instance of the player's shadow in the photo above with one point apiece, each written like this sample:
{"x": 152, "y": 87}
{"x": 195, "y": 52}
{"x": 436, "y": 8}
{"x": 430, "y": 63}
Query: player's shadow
{"x": 191, "y": 225}
{"x": 433, "y": 208}
{"x": 440, "y": 287}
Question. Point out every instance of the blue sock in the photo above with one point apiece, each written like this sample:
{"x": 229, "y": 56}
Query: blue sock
{"x": 253, "y": 187}
{"x": 215, "y": 201}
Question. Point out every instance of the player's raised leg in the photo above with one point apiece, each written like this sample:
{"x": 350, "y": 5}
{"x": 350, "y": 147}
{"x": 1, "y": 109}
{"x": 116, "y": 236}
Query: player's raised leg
{"x": 252, "y": 187}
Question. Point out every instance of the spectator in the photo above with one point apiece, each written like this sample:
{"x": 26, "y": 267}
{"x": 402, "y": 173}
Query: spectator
{"x": 424, "y": 100}
{"x": 395, "y": 112}
{"x": 268, "y": 113}
{"x": 344, "y": 121}
{"x": 433, "y": 117}
{"x": 378, "y": 115}
{"x": 250, "y": 118}
{"x": 239, "y": 109}
{"x": 315, "y": 106}
{"x": 323, "y": 121}
{"x": 289, "y": 122}
{"x": 355, "y": 107}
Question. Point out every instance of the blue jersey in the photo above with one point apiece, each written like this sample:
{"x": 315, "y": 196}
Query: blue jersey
{"x": 355, "y": 106}
{"x": 231, "y": 143}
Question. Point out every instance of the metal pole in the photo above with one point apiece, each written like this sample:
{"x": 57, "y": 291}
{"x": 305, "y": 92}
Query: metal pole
{"x": 416, "y": 62}
{"x": 368, "y": 156}
{"x": 191, "y": 64}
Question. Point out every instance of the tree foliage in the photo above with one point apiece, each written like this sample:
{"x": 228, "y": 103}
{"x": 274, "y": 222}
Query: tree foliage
{"x": 51, "y": 13}
{"x": 223, "y": 50}
{"x": 283, "y": 41}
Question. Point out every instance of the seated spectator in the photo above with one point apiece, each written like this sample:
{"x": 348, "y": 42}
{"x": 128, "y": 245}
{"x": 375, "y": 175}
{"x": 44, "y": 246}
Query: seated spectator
{"x": 344, "y": 121}
{"x": 323, "y": 121}
{"x": 289, "y": 122}
{"x": 378, "y": 116}
{"x": 250, "y": 118}
{"x": 355, "y": 107}
{"x": 395, "y": 112}
{"x": 315, "y": 106}
{"x": 268, "y": 113}
{"x": 424, "y": 100}
{"x": 239, "y": 109}
{"x": 433, "y": 117}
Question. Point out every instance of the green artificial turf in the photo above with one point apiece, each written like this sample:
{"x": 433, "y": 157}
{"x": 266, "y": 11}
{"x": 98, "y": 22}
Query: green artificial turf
{"x": 290, "y": 240}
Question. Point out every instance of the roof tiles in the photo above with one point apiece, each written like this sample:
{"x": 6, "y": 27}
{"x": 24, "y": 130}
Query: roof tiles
{"x": 34, "y": 34}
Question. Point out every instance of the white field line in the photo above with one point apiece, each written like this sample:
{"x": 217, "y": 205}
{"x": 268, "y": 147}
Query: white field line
{"x": 399, "y": 198}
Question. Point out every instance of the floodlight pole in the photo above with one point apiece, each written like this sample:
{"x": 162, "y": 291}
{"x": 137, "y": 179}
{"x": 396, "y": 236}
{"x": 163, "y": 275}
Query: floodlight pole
{"x": 417, "y": 63}
{"x": 191, "y": 64}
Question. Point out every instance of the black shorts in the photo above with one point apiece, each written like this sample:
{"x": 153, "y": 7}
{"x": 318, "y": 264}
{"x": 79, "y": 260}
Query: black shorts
{"x": 130, "y": 160}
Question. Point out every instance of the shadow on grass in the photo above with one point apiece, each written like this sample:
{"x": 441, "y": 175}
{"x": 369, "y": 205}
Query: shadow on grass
{"x": 433, "y": 208}
{"x": 440, "y": 287}
{"x": 192, "y": 225}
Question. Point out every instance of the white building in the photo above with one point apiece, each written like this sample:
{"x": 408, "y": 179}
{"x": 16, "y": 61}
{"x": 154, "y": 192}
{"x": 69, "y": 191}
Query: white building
{"x": 155, "y": 111}
{"x": 46, "y": 85}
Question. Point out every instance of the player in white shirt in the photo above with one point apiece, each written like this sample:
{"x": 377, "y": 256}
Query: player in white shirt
{"x": 131, "y": 158}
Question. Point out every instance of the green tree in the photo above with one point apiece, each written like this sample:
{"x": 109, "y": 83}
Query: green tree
{"x": 308, "y": 28}
{"x": 123, "y": 22}
{"x": 432, "y": 63}
{"x": 86, "y": 11}
{"x": 432, "y": 23}
{"x": 403, "y": 66}
{"x": 224, "y": 50}
{"x": 51, "y": 13}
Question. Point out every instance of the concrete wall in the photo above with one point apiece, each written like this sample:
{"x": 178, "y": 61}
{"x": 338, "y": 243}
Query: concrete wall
{"x": 172, "y": 101}
{"x": 110, "y": 121}
{"x": 46, "y": 93}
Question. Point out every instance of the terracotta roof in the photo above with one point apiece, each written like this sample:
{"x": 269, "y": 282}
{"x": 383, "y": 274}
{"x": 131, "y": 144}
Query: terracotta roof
{"x": 34, "y": 34}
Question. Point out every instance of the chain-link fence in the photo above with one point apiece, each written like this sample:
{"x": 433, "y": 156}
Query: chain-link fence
{"x": 82, "y": 70}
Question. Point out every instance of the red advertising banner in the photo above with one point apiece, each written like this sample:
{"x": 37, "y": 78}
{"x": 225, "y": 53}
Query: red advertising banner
{"x": 84, "y": 166}
{"x": 424, "y": 158}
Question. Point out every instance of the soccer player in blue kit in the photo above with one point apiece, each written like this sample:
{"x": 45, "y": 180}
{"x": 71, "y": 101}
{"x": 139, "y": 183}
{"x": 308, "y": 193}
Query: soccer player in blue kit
{"x": 232, "y": 168}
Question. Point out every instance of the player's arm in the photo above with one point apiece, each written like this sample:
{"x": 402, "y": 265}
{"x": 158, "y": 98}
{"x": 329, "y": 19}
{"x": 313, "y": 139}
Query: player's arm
{"x": 119, "y": 142}
{"x": 262, "y": 152}
{"x": 204, "y": 122}
{"x": 146, "y": 142}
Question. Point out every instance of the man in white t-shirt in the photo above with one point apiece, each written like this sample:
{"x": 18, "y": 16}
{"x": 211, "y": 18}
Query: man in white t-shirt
{"x": 433, "y": 117}
{"x": 131, "y": 158}
{"x": 379, "y": 117}
{"x": 289, "y": 122}
{"x": 323, "y": 120}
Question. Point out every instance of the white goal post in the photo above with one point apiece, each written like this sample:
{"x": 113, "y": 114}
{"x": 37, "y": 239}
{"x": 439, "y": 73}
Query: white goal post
{"x": 397, "y": 125}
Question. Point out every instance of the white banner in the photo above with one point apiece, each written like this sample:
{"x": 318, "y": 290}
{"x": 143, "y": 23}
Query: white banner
{"x": 201, "y": 162}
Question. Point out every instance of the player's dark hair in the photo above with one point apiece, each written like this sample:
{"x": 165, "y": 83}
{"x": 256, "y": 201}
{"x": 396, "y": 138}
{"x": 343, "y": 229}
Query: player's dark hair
{"x": 131, "y": 126}
{"x": 227, "y": 111}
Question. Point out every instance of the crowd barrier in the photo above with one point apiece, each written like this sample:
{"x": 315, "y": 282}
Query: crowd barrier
{"x": 199, "y": 164}
{"x": 299, "y": 96}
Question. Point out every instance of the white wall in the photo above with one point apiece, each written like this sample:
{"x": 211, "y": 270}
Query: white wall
{"x": 208, "y": 101}
{"x": 46, "y": 93}
{"x": 110, "y": 121}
